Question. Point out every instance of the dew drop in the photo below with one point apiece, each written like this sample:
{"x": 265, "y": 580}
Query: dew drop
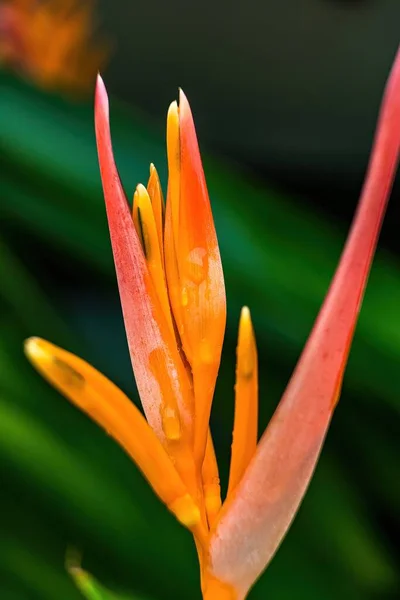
{"x": 206, "y": 353}
{"x": 184, "y": 297}
{"x": 171, "y": 424}
{"x": 196, "y": 264}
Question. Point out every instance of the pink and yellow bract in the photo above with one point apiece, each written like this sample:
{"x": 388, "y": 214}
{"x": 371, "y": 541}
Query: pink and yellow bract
{"x": 173, "y": 300}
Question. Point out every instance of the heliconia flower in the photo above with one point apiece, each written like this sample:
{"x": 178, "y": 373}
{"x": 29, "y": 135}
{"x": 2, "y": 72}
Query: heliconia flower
{"x": 51, "y": 43}
{"x": 173, "y": 301}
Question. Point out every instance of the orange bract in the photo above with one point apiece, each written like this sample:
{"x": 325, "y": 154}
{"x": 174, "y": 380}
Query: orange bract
{"x": 173, "y": 301}
{"x": 246, "y": 401}
{"x": 109, "y": 407}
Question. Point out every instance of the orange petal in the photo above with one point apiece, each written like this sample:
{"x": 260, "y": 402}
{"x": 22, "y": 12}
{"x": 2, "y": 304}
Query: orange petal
{"x": 246, "y": 401}
{"x": 98, "y": 397}
{"x": 163, "y": 383}
{"x": 200, "y": 304}
{"x": 254, "y": 521}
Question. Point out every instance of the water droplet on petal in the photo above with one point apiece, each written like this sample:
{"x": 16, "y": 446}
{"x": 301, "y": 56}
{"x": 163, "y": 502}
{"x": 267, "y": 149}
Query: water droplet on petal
{"x": 206, "y": 353}
{"x": 170, "y": 423}
{"x": 184, "y": 297}
{"x": 196, "y": 265}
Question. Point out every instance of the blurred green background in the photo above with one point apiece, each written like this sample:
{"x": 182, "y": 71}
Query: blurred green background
{"x": 285, "y": 95}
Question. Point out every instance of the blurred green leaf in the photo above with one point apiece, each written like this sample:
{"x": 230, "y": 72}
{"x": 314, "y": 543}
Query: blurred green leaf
{"x": 40, "y": 578}
{"x": 91, "y": 588}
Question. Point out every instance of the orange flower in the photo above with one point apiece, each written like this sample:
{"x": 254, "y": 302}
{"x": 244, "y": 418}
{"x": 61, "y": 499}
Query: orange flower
{"x": 173, "y": 300}
{"x": 50, "y": 43}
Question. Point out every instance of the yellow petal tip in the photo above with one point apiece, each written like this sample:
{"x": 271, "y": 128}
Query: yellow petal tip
{"x": 173, "y": 110}
{"x": 186, "y": 511}
{"x": 33, "y": 349}
{"x": 246, "y": 345}
{"x": 140, "y": 189}
{"x": 245, "y": 314}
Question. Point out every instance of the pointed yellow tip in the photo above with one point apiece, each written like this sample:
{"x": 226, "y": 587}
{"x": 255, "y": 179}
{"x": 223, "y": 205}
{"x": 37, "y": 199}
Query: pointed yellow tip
{"x": 246, "y": 401}
{"x": 246, "y": 344}
{"x": 33, "y": 348}
{"x": 245, "y": 314}
{"x": 142, "y": 213}
{"x": 49, "y": 360}
{"x": 173, "y": 114}
{"x": 141, "y": 190}
{"x": 245, "y": 323}
{"x": 186, "y": 511}
{"x": 173, "y": 149}
{"x": 157, "y": 202}
{"x": 141, "y": 195}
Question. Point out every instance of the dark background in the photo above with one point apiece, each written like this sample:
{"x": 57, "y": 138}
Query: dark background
{"x": 285, "y": 96}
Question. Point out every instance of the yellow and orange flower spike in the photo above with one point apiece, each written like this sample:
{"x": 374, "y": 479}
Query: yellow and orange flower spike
{"x": 173, "y": 301}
